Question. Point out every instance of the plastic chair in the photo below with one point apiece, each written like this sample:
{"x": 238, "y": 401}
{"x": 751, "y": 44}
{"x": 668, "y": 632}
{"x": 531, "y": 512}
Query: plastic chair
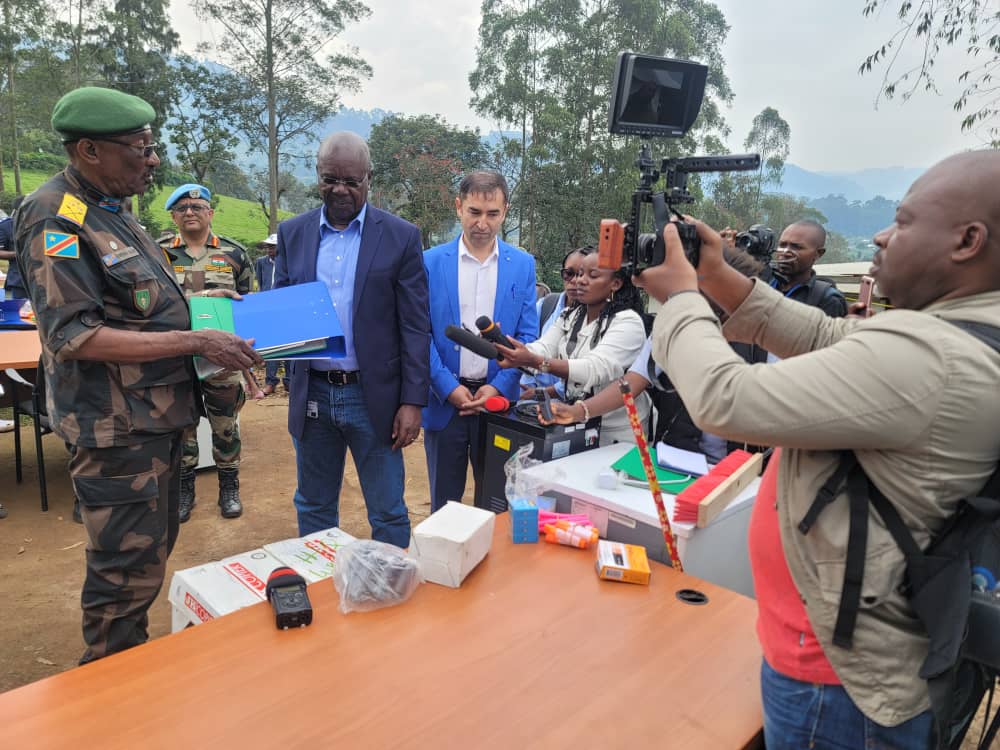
{"x": 35, "y": 408}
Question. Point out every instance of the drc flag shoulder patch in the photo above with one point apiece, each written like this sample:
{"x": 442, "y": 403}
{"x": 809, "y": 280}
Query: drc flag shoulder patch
{"x": 59, "y": 245}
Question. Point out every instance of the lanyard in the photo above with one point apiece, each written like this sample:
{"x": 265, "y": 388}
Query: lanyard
{"x": 789, "y": 293}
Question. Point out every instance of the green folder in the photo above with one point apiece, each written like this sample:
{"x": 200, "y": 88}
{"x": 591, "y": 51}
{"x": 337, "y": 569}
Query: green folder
{"x": 670, "y": 482}
{"x": 212, "y": 312}
{"x": 217, "y": 313}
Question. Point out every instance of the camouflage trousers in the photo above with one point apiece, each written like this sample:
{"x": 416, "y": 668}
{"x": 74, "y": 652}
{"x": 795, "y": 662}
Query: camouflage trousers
{"x": 224, "y": 397}
{"x": 128, "y": 499}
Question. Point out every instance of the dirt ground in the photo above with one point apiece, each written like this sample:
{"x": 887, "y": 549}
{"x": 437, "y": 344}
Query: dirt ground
{"x": 42, "y": 554}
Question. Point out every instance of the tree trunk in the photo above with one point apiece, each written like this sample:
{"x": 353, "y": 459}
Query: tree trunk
{"x": 272, "y": 126}
{"x": 78, "y": 44}
{"x": 14, "y": 151}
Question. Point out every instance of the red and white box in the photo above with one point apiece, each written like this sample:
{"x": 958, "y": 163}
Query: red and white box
{"x": 311, "y": 556}
{"x": 208, "y": 591}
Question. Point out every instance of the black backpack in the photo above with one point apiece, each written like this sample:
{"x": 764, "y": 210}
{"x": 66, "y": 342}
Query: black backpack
{"x": 549, "y": 302}
{"x": 951, "y": 586}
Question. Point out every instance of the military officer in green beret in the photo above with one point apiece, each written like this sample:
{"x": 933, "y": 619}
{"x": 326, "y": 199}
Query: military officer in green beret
{"x": 116, "y": 351}
{"x": 204, "y": 260}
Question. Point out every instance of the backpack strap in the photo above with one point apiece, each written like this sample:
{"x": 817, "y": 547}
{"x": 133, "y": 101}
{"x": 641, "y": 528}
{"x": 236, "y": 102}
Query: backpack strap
{"x": 989, "y": 335}
{"x": 549, "y": 302}
{"x": 818, "y": 291}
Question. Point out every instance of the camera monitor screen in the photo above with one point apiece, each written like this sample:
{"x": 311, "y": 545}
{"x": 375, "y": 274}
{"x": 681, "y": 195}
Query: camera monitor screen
{"x": 655, "y": 96}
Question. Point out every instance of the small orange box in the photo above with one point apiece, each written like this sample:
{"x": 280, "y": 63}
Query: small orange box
{"x": 622, "y": 562}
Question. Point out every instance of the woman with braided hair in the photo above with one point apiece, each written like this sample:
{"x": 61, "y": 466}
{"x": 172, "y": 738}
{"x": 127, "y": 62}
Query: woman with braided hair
{"x": 592, "y": 344}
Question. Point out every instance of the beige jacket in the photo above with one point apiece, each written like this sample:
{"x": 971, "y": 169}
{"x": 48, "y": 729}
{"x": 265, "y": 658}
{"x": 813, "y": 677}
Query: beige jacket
{"x": 916, "y": 398}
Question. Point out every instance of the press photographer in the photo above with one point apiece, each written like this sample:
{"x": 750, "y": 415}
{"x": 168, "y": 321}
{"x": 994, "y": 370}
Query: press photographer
{"x": 851, "y": 656}
{"x": 801, "y": 246}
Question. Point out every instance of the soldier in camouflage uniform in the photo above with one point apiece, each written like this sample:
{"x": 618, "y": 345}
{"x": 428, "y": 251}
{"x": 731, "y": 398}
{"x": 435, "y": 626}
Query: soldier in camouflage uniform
{"x": 116, "y": 351}
{"x": 203, "y": 260}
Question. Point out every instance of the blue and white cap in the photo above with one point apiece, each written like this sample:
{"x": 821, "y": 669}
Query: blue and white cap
{"x": 190, "y": 190}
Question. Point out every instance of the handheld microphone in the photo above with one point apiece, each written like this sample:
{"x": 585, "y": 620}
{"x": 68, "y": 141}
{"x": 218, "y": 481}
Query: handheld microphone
{"x": 546, "y": 405}
{"x": 496, "y": 404}
{"x": 472, "y": 342}
{"x": 490, "y": 331}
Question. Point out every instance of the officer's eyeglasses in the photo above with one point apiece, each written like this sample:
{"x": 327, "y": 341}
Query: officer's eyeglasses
{"x": 146, "y": 150}
{"x": 347, "y": 183}
{"x": 193, "y": 207}
{"x": 569, "y": 274}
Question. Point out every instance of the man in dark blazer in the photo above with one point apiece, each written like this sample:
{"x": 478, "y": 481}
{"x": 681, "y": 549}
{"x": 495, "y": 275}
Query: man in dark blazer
{"x": 474, "y": 275}
{"x": 370, "y": 400}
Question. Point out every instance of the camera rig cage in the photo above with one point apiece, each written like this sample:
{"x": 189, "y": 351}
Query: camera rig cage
{"x": 658, "y": 97}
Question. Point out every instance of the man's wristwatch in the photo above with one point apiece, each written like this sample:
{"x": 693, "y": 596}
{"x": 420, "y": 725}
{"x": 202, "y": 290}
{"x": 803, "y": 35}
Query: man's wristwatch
{"x": 544, "y": 366}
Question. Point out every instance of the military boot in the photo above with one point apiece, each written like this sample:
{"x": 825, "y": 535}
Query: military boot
{"x": 187, "y": 494}
{"x": 229, "y": 493}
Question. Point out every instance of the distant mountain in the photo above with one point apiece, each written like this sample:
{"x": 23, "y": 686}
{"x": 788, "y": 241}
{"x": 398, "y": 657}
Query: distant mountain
{"x": 863, "y": 185}
{"x": 889, "y": 182}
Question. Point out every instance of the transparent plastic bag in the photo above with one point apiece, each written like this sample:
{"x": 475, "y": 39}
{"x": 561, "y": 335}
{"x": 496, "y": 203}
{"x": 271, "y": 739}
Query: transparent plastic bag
{"x": 518, "y": 485}
{"x": 370, "y": 575}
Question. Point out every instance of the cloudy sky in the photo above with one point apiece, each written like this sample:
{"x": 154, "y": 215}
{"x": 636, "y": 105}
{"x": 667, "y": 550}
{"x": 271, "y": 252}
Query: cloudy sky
{"x": 800, "y": 57}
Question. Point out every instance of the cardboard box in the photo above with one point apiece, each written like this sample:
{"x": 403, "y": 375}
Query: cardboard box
{"x": 311, "y": 556}
{"x": 208, "y": 591}
{"x": 622, "y": 562}
{"x": 451, "y": 542}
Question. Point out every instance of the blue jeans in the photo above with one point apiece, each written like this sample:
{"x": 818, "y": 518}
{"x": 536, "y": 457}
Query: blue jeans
{"x": 271, "y": 372}
{"x": 801, "y": 715}
{"x": 340, "y": 421}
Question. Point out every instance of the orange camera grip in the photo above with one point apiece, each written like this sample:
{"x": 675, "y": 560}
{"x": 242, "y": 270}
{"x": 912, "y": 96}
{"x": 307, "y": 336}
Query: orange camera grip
{"x": 610, "y": 244}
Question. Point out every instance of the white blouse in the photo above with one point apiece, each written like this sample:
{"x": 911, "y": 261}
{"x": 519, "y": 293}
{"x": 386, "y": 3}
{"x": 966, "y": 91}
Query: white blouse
{"x": 591, "y": 369}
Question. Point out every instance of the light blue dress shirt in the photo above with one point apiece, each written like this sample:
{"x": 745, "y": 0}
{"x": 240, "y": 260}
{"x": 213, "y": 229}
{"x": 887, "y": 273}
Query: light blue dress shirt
{"x": 543, "y": 379}
{"x": 337, "y": 266}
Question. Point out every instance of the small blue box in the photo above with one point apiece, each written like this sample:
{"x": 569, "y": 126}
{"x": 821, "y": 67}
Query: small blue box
{"x": 523, "y": 520}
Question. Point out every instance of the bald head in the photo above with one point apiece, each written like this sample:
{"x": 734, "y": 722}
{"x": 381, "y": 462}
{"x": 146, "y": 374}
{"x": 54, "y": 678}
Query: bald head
{"x": 345, "y": 144}
{"x": 964, "y": 187}
{"x": 945, "y": 241}
{"x": 344, "y": 167}
{"x": 816, "y": 231}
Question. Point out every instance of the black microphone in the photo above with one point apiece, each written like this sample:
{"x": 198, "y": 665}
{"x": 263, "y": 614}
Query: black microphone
{"x": 471, "y": 341}
{"x": 491, "y": 332}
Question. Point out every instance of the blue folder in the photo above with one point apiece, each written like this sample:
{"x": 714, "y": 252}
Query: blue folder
{"x": 277, "y": 317}
{"x": 10, "y": 314}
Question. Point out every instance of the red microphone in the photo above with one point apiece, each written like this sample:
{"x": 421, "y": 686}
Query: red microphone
{"x": 496, "y": 404}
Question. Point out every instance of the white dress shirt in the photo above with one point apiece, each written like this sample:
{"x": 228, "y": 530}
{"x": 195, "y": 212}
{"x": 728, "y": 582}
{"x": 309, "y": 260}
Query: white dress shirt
{"x": 477, "y": 292}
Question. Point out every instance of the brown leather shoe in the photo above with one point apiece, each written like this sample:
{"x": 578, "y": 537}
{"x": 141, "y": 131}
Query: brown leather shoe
{"x": 268, "y": 389}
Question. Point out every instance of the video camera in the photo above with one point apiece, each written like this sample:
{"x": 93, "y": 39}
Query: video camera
{"x": 757, "y": 241}
{"x": 658, "y": 97}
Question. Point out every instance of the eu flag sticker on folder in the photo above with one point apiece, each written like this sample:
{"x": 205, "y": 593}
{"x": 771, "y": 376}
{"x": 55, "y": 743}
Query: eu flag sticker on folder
{"x": 294, "y": 322}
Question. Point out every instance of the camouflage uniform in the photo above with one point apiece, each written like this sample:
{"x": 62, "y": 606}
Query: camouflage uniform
{"x": 89, "y": 264}
{"x": 223, "y": 265}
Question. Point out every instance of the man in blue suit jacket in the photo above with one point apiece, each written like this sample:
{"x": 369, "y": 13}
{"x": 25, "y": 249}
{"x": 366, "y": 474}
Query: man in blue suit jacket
{"x": 370, "y": 400}
{"x": 473, "y": 275}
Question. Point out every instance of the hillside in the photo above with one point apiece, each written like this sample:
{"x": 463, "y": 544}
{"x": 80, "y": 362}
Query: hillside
{"x": 241, "y": 220}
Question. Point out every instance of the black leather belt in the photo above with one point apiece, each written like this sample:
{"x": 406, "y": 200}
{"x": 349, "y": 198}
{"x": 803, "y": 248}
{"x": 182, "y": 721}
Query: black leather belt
{"x": 338, "y": 377}
{"x": 472, "y": 385}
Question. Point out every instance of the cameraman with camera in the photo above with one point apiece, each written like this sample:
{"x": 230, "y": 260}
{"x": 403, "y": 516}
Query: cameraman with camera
{"x": 910, "y": 393}
{"x": 801, "y": 246}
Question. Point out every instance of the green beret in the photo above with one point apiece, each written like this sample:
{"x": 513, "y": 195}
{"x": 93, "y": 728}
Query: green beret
{"x": 92, "y": 111}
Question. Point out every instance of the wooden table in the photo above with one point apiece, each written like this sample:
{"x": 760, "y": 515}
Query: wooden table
{"x": 19, "y": 349}
{"x": 532, "y": 651}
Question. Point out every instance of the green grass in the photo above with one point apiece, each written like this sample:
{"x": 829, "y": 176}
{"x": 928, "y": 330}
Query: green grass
{"x": 243, "y": 221}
